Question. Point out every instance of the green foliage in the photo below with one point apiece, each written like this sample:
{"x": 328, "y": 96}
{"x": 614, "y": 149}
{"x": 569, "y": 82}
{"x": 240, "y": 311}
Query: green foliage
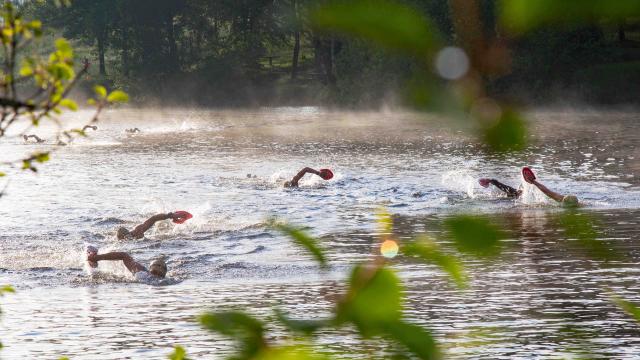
{"x": 6, "y": 289}
{"x": 101, "y": 91}
{"x": 415, "y": 338}
{"x": 507, "y": 134}
{"x": 179, "y": 353}
{"x": 628, "y": 307}
{"x": 303, "y": 239}
{"x": 392, "y": 25}
{"x": 69, "y": 104}
{"x": 118, "y": 96}
{"x": 306, "y": 327}
{"x": 247, "y": 330}
{"x": 428, "y": 251}
{"x": 475, "y": 235}
{"x": 582, "y": 227}
{"x": 524, "y": 15}
{"x": 373, "y": 300}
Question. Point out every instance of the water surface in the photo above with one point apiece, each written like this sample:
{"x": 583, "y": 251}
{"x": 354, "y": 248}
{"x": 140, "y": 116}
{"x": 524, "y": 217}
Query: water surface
{"x": 227, "y": 168}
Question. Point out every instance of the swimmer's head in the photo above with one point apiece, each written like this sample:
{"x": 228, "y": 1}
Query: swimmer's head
{"x": 326, "y": 174}
{"x": 570, "y": 201}
{"x": 123, "y": 233}
{"x": 158, "y": 268}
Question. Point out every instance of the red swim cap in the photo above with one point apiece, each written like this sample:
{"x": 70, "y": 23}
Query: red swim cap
{"x": 528, "y": 175}
{"x": 484, "y": 182}
{"x": 326, "y": 174}
{"x": 181, "y": 216}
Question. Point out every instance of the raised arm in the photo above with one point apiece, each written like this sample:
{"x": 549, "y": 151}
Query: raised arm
{"x": 128, "y": 261}
{"x": 511, "y": 192}
{"x": 552, "y": 194}
{"x": 139, "y": 231}
{"x": 299, "y": 175}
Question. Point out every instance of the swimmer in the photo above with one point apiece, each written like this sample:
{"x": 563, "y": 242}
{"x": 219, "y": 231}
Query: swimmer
{"x": 178, "y": 217}
{"x": 527, "y": 174}
{"x": 326, "y": 174}
{"x": 93, "y": 127}
{"x": 34, "y": 137}
{"x": 132, "y": 130}
{"x": 157, "y": 268}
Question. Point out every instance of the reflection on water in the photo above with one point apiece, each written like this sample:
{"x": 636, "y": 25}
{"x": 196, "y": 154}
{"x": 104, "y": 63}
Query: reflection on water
{"x": 225, "y": 256}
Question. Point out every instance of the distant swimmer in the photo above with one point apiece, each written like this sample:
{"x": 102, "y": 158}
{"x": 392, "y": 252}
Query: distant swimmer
{"x": 177, "y": 217}
{"x": 157, "y": 268}
{"x": 92, "y": 127}
{"x": 34, "y": 137}
{"x": 326, "y": 174}
{"x": 133, "y": 130}
{"x": 528, "y": 175}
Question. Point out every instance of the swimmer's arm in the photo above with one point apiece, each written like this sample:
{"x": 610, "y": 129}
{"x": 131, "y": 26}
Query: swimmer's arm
{"x": 301, "y": 173}
{"x": 511, "y": 192}
{"x": 552, "y": 194}
{"x": 139, "y": 231}
{"x": 128, "y": 261}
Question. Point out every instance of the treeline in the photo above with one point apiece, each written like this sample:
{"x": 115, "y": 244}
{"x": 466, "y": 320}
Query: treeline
{"x": 265, "y": 52}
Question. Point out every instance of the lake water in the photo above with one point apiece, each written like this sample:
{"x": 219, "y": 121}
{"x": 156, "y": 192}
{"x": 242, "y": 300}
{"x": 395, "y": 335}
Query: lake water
{"x": 227, "y": 168}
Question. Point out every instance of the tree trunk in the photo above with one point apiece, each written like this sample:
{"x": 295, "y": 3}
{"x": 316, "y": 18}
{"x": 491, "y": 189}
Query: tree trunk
{"x": 296, "y": 53}
{"x": 296, "y": 44}
{"x": 101, "y": 49}
{"x": 125, "y": 52}
{"x": 621, "y": 35}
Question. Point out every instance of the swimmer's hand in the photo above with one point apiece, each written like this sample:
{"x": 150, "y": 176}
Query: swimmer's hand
{"x": 92, "y": 253}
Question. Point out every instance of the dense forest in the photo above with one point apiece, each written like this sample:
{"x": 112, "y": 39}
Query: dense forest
{"x": 266, "y": 52}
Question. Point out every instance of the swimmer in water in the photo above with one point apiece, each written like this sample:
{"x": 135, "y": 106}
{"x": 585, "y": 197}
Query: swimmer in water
{"x": 157, "y": 268}
{"x": 133, "y": 130}
{"x": 326, "y": 174}
{"x": 178, "y": 217}
{"x": 527, "y": 174}
{"x": 93, "y": 127}
{"x": 34, "y": 137}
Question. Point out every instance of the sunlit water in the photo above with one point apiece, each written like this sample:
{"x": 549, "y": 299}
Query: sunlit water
{"x": 227, "y": 168}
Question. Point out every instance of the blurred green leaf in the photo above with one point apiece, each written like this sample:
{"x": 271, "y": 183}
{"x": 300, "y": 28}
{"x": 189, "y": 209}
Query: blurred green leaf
{"x": 392, "y": 25}
{"x": 373, "y": 300}
{"x": 307, "y": 327}
{"x": 101, "y": 91}
{"x": 427, "y": 250}
{"x": 475, "y": 235}
{"x": 26, "y": 70}
{"x": 5, "y": 289}
{"x": 118, "y": 96}
{"x": 384, "y": 221}
{"x": 179, "y": 353}
{"x": 581, "y": 226}
{"x": 289, "y": 353}
{"x": 524, "y": 15}
{"x": 628, "y": 307}
{"x": 62, "y": 45}
{"x": 91, "y": 101}
{"x": 2, "y": 174}
{"x": 232, "y": 323}
{"x": 41, "y": 157}
{"x": 509, "y": 133}
{"x": 238, "y": 325}
{"x": 69, "y": 104}
{"x": 303, "y": 239}
{"x": 417, "y": 340}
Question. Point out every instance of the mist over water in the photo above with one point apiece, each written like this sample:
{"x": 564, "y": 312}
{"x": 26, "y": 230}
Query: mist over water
{"x": 227, "y": 168}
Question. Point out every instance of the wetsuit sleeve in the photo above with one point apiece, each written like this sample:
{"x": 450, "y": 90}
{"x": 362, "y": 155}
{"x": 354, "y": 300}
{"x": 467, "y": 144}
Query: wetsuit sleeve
{"x": 301, "y": 173}
{"x": 511, "y": 192}
{"x": 139, "y": 231}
